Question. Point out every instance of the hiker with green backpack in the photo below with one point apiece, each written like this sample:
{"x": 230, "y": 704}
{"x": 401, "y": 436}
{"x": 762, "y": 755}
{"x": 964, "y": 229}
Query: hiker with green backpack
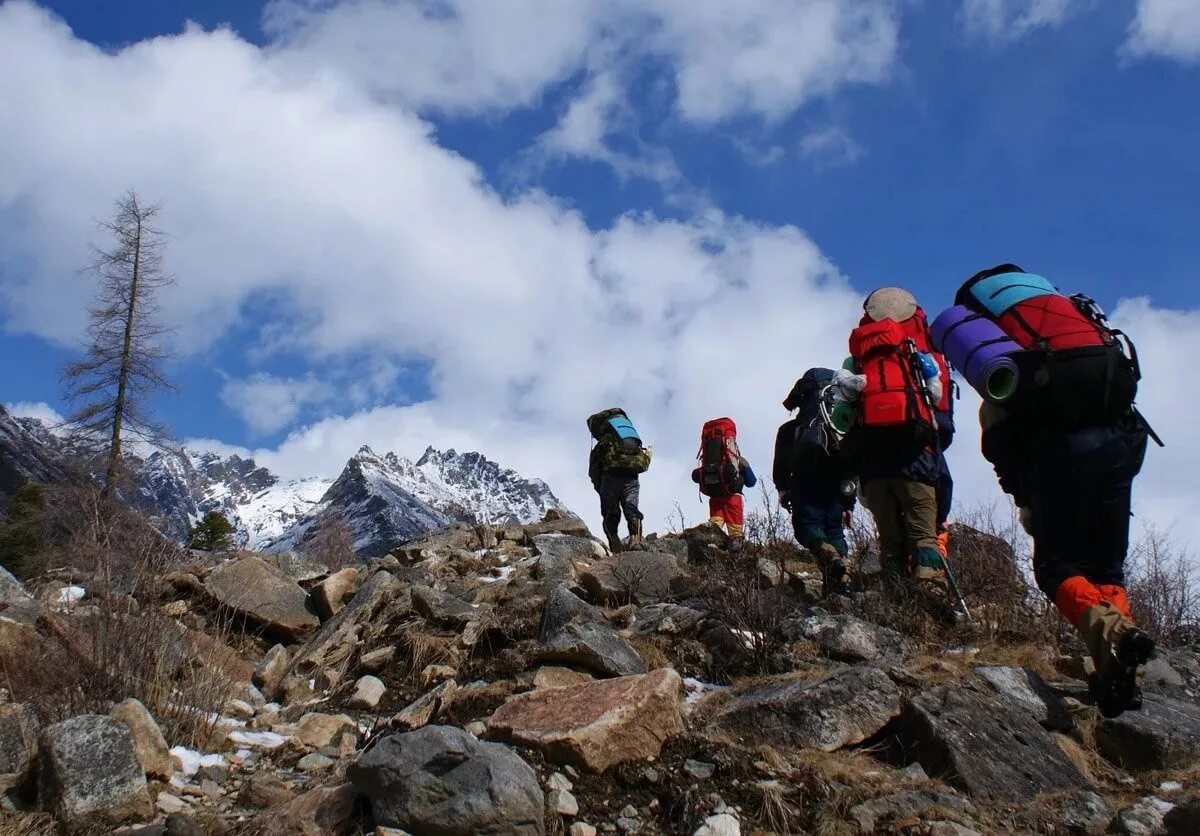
{"x": 814, "y": 479}
{"x": 618, "y": 457}
{"x": 1060, "y": 428}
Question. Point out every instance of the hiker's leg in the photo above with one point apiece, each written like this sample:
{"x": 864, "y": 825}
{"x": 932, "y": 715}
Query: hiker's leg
{"x": 610, "y": 509}
{"x": 716, "y": 511}
{"x": 919, "y": 510}
{"x": 880, "y": 498}
{"x": 733, "y": 511}
{"x": 808, "y": 521}
{"x": 835, "y": 532}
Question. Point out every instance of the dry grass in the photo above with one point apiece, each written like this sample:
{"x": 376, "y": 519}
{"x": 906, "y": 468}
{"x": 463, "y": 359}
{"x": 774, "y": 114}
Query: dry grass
{"x": 27, "y": 824}
{"x": 422, "y": 648}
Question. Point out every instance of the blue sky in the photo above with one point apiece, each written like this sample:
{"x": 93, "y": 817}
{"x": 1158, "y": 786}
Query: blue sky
{"x": 910, "y": 143}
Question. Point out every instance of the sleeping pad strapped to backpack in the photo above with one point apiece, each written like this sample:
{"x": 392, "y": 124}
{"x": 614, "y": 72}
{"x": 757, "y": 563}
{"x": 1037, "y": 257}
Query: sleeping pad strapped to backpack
{"x": 720, "y": 460}
{"x": 1074, "y": 369}
{"x": 622, "y": 450}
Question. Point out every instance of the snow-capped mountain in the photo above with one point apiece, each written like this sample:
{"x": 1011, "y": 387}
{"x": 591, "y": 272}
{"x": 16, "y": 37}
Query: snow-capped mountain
{"x": 383, "y": 499}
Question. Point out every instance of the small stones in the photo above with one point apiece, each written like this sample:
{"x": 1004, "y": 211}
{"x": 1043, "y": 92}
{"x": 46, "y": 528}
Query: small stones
{"x": 368, "y": 691}
{"x": 562, "y": 802}
{"x": 315, "y": 762}
{"x": 698, "y": 769}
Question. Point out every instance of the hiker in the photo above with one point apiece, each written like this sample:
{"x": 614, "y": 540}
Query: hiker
{"x": 1061, "y": 431}
{"x": 617, "y": 459}
{"x": 899, "y": 384}
{"x": 721, "y": 473}
{"x": 814, "y": 479}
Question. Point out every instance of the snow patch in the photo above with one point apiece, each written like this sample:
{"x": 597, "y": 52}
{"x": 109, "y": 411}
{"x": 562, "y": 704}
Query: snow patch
{"x": 69, "y": 595}
{"x": 258, "y": 739}
{"x": 190, "y": 760}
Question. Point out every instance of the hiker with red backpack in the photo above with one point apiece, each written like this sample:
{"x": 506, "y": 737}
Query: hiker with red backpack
{"x": 899, "y": 386}
{"x": 722, "y": 472}
{"x": 1066, "y": 441}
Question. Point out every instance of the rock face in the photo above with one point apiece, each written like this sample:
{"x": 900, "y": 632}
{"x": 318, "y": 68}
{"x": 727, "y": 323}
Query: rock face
{"x": 28, "y": 453}
{"x": 90, "y": 773}
{"x": 148, "y": 740}
{"x": 442, "y": 781}
{"x": 1165, "y": 734}
{"x": 252, "y": 587}
{"x": 639, "y": 576}
{"x": 567, "y": 546}
{"x": 850, "y": 639}
{"x": 18, "y": 746}
{"x": 596, "y": 724}
{"x": 979, "y": 742}
{"x": 1025, "y": 690}
{"x": 574, "y": 632}
{"x": 840, "y": 709}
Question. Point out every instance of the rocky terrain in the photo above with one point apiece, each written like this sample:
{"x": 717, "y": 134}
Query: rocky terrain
{"x": 384, "y": 499}
{"x": 520, "y": 679}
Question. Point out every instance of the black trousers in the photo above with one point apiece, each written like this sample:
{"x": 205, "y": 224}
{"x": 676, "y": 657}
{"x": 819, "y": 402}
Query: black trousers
{"x": 619, "y": 494}
{"x": 1080, "y": 495}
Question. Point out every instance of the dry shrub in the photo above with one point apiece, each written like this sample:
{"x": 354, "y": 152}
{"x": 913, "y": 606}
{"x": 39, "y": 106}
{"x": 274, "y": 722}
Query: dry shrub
{"x": 115, "y": 644}
{"x": 769, "y": 525}
{"x": 422, "y": 648}
{"x": 27, "y": 824}
{"x": 735, "y": 597}
{"x": 1164, "y": 588}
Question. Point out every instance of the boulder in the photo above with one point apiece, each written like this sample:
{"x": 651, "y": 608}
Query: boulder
{"x": 638, "y": 576}
{"x": 318, "y": 812}
{"x": 905, "y": 806}
{"x": 332, "y": 648}
{"x": 667, "y": 620}
{"x": 300, "y": 567}
{"x": 331, "y": 594}
{"x": 1083, "y": 813}
{"x": 368, "y": 691}
{"x": 1184, "y": 819}
{"x": 90, "y": 774}
{"x": 568, "y": 546}
{"x": 268, "y": 676}
{"x": 567, "y": 524}
{"x": 317, "y": 731}
{"x": 1025, "y": 690}
{"x": 425, "y": 709}
{"x": 574, "y": 632}
{"x": 595, "y": 724}
{"x": 148, "y": 741}
{"x": 443, "y": 608}
{"x": 257, "y": 590}
{"x": 1160, "y": 677}
{"x": 849, "y": 639}
{"x": 18, "y": 747}
{"x": 265, "y": 789}
{"x": 1165, "y": 734}
{"x": 441, "y": 780}
{"x": 1145, "y": 818}
{"x": 836, "y": 710}
{"x": 12, "y": 591}
{"x": 551, "y": 676}
{"x": 978, "y": 741}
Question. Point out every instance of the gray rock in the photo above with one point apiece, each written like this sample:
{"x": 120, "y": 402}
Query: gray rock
{"x": 1083, "y": 813}
{"x": 300, "y": 567}
{"x": 840, "y": 709}
{"x": 903, "y": 805}
{"x": 18, "y": 747}
{"x": 270, "y": 671}
{"x": 554, "y": 568}
{"x": 177, "y": 824}
{"x": 673, "y": 546}
{"x": 89, "y": 772}
{"x": 639, "y": 576}
{"x": 568, "y": 546}
{"x": 1184, "y": 819}
{"x": 440, "y": 780}
{"x": 667, "y": 619}
{"x": 255, "y": 589}
{"x": 977, "y": 741}
{"x": 1145, "y": 818}
{"x": 1025, "y": 690}
{"x": 850, "y": 639}
{"x": 12, "y": 591}
{"x": 1159, "y": 677}
{"x": 443, "y": 608}
{"x": 699, "y": 769}
{"x": 1165, "y": 734}
{"x": 574, "y": 632}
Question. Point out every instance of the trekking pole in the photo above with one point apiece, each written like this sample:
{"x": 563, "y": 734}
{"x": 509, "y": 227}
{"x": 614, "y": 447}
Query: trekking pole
{"x": 914, "y": 362}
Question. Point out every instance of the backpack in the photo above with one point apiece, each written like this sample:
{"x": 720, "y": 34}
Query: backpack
{"x": 621, "y": 446}
{"x": 720, "y": 461}
{"x": 1074, "y": 368}
{"x": 892, "y": 406}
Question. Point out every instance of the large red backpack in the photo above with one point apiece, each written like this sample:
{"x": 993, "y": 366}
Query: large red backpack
{"x": 1075, "y": 369}
{"x": 720, "y": 471}
{"x": 892, "y": 403}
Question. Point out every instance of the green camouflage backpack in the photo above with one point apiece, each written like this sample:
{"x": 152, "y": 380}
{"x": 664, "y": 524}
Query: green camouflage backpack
{"x": 621, "y": 447}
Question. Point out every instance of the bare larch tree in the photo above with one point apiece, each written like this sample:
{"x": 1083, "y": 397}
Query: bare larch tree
{"x": 120, "y": 366}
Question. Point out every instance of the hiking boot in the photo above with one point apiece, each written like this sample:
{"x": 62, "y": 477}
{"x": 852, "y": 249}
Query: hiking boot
{"x": 635, "y": 533}
{"x": 614, "y": 539}
{"x": 1118, "y": 649}
{"x": 735, "y": 544}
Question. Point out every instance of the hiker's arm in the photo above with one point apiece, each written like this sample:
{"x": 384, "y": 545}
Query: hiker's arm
{"x": 748, "y": 476}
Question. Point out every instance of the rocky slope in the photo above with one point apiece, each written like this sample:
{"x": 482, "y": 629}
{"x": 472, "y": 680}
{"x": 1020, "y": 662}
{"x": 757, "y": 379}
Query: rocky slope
{"x": 384, "y": 499}
{"x": 522, "y": 680}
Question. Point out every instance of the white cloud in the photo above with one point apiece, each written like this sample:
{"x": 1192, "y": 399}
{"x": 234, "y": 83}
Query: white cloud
{"x": 830, "y": 146}
{"x": 753, "y": 57}
{"x": 267, "y": 403}
{"x": 1012, "y": 19}
{"x": 41, "y": 410}
{"x": 1169, "y": 28}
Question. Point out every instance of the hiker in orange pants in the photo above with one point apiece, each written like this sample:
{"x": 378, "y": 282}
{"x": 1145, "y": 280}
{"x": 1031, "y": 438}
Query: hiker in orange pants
{"x": 721, "y": 473}
{"x": 728, "y": 510}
